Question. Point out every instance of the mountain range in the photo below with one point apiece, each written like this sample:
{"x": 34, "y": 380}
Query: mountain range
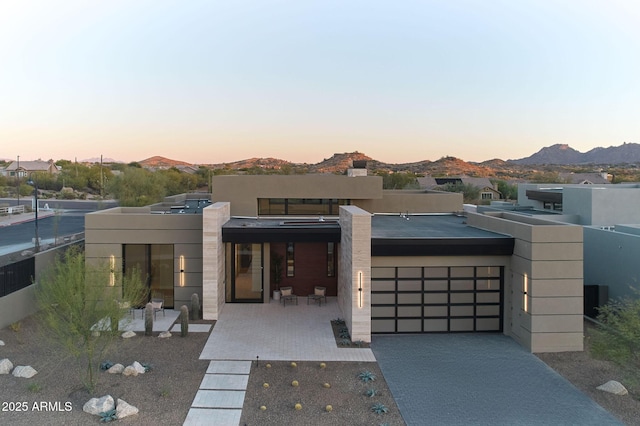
{"x": 559, "y": 154}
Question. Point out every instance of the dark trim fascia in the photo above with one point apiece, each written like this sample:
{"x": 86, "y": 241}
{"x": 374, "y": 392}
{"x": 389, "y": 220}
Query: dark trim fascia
{"x": 270, "y": 235}
{"x": 442, "y": 247}
{"x": 548, "y": 196}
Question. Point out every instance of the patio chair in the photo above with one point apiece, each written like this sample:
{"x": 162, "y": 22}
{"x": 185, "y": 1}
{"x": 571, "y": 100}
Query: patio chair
{"x": 288, "y": 296}
{"x": 157, "y": 303}
{"x": 319, "y": 294}
{"x": 127, "y": 306}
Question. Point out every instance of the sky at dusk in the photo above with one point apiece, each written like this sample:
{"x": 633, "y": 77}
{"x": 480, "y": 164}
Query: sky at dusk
{"x": 402, "y": 81}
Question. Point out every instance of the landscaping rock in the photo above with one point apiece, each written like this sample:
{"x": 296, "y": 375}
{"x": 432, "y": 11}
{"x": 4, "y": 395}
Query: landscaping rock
{"x": 6, "y": 366}
{"x": 130, "y": 371}
{"x": 128, "y": 334}
{"x": 1, "y": 343}
{"x": 25, "y": 371}
{"x": 613, "y": 387}
{"x": 164, "y": 335}
{"x": 96, "y": 406}
{"x": 124, "y": 409}
{"x": 116, "y": 369}
{"x": 139, "y": 368}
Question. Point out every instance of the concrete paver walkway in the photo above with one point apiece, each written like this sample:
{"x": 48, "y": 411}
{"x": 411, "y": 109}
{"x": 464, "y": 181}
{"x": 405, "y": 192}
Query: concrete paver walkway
{"x": 479, "y": 379}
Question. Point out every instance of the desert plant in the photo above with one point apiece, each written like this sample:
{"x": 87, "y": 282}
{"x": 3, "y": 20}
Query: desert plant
{"x": 344, "y": 342}
{"x": 367, "y": 376}
{"x": 164, "y": 392}
{"x": 195, "y": 307}
{"x": 344, "y": 333}
{"x": 34, "y": 387}
{"x": 184, "y": 321}
{"x": 147, "y": 367}
{"x": 108, "y": 416}
{"x": 379, "y": 408}
{"x": 148, "y": 319}
{"x": 359, "y": 343}
{"x": 338, "y": 321}
{"x": 16, "y": 326}
{"x": 371, "y": 392}
{"x": 105, "y": 365}
{"x": 75, "y": 301}
{"x": 618, "y": 338}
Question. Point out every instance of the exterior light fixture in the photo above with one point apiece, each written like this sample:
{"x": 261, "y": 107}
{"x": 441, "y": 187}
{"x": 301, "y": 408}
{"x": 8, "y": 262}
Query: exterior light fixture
{"x": 360, "y": 289}
{"x": 34, "y": 183}
{"x": 525, "y": 294}
{"x": 112, "y": 270}
{"x": 182, "y": 271}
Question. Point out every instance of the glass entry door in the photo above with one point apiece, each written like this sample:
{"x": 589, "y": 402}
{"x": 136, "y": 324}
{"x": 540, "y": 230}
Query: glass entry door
{"x": 247, "y": 279}
{"x": 154, "y": 264}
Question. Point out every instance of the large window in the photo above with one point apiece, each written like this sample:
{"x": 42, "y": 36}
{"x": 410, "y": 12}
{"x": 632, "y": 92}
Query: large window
{"x": 154, "y": 264}
{"x": 300, "y": 206}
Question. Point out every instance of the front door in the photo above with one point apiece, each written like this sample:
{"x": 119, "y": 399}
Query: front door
{"x": 247, "y": 273}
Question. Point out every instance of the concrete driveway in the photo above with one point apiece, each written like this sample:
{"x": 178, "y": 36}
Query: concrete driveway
{"x": 479, "y": 379}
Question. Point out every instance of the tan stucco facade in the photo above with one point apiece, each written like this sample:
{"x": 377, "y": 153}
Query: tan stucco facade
{"x": 545, "y": 304}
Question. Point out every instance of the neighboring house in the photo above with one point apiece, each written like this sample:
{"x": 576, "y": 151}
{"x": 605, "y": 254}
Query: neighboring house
{"x": 586, "y": 178}
{"x": 25, "y": 167}
{"x": 488, "y": 191}
{"x": 610, "y": 217}
{"x": 395, "y": 261}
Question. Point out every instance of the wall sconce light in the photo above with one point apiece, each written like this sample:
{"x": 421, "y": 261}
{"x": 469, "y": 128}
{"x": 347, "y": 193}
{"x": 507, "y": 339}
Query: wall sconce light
{"x": 181, "y": 271}
{"x": 359, "y": 289}
{"x": 525, "y": 294}
{"x": 112, "y": 270}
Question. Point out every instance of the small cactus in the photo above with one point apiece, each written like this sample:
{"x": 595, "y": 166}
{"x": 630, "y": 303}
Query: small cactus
{"x": 148, "y": 320}
{"x": 327, "y": 385}
{"x": 268, "y": 365}
{"x": 295, "y": 383}
{"x": 298, "y": 406}
{"x": 323, "y": 365}
{"x": 293, "y": 364}
{"x": 184, "y": 321}
{"x": 265, "y": 385}
{"x": 195, "y": 307}
{"x": 328, "y": 408}
{"x": 263, "y": 408}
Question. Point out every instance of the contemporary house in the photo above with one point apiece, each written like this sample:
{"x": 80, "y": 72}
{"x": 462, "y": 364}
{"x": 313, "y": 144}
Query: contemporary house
{"x": 394, "y": 261}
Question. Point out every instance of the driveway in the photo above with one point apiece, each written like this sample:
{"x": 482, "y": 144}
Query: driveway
{"x": 479, "y": 379}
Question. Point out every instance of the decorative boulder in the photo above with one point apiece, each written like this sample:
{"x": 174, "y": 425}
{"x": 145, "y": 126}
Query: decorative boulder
{"x": 130, "y": 371}
{"x": 6, "y": 366}
{"x": 96, "y": 406}
{"x": 124, "y": 409}
{"x": 25, "y": 371}
{"x": 164, "y": 335}
{"x": 139, "y": 368}
{"x": 613, "y": 387}
{"x": 116, "y": 369}
{"x": 1, "y": 343}
{"x": 128, "y": 334}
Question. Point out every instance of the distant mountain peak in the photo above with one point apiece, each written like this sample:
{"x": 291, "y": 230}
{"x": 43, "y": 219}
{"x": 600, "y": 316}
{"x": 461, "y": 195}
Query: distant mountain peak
{"x": 564, "y": 154}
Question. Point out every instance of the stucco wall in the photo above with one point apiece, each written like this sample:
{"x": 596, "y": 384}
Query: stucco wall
{"x": 546, "y": 281}
{"x": 213, "y": 253}
{"x": 413, "y": 202}
{"x": 611, "y": 259}
{"x": 602, "y": 205}
{"x": 107, "y": 231}
{"x": 354, "y": 276}
{"x": 243, "y": 191}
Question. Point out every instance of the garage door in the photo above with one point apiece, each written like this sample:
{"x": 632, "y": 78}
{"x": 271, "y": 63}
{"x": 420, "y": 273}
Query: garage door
{"x": 437, "y": 299}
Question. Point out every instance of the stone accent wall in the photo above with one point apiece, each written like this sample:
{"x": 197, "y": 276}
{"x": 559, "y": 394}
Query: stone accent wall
{"x": 355, "y": 265}
{"x": 545, "y": 301}
{"x": 213, "y": 256}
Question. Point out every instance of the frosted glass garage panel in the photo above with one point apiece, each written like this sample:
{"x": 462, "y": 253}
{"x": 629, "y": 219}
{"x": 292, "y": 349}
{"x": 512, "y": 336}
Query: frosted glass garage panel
{"x": 441, "y": 272}
{"x": 409, "y": 298}
{"x": 484, "y": 311}
{"x": 461, "y": 297}
{"x": 488, "y": 285}
{"x": 409, "y": 325}
{"x": 436, "y": 285}
{"x": 436, "y": 298}
{"x": 383, "y": 326}
{"x": 488, "y": 324}
{"x": 462, "y": 272}
{"x": 488, "y": 297}
{"x": 435, "y": 325}
{"x": 461, "y": 324}
{"x": 383, "y": 272}
{"x": 409, "y": 285}
{"x": 462, "y": 285}
{"x": 461, "y": 311}
{"x": 488, "y": 271}
{"x": 436, "y": 311}
{"x": 383, "y": 285}
{"x": 410, "y": 311}
{"x": 409, "y": 272}
{"x": 383, "y": 311}
{"x": 383, "y": 299}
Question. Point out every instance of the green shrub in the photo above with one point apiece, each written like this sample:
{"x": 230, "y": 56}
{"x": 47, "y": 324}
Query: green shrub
{"x": 379, "y": 408}
{"x": 367, "y": 376}
{"x": 618, "y": 338}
